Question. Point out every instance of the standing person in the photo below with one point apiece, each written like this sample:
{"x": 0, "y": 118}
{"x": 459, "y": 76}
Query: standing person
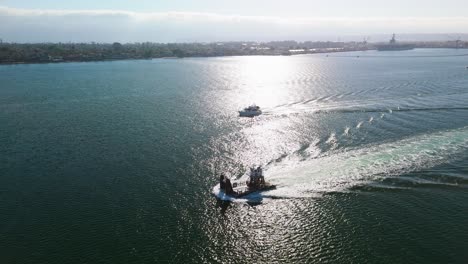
{"x": 222, "y": 182}
{"x": 228, "y": 187}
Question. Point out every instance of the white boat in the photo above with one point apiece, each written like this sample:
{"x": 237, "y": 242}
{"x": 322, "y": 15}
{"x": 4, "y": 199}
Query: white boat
{"x": 251, "y": 111}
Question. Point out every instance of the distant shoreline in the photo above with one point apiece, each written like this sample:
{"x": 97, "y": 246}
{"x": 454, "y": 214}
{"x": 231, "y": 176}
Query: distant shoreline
{"x": 214, "y": 56}
{"x": 41, "y": 53}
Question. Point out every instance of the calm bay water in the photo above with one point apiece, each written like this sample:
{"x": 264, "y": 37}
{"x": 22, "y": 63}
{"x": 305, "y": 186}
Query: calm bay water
{"x": 114, "y": 162}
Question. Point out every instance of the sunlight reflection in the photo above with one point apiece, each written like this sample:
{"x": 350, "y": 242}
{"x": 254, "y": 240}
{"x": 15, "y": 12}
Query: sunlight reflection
{"x": 263, "y": 80}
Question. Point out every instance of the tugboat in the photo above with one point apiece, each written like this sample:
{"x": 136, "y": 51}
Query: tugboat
{"x": 251, "y": 111}
{"x": 240, "y": 188}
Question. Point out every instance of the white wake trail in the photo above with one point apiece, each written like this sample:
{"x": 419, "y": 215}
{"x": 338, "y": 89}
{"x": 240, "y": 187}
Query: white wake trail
{"x": 340, "y": 171}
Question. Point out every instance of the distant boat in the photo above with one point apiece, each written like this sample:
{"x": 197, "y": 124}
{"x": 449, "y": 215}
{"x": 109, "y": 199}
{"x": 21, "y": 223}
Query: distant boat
{"x": 250, "y": 111}
{"x": 393, "y": 45}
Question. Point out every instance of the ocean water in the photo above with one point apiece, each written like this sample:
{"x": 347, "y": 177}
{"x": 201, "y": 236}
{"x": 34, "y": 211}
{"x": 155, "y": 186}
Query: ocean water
{"x": 114, "y": 162}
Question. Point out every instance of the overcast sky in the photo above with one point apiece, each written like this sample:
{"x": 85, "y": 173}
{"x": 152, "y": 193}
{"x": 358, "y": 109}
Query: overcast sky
{"x": 218, "y": 20}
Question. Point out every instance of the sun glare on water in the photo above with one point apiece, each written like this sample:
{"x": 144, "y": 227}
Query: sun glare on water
{"x": 263, "y": 80}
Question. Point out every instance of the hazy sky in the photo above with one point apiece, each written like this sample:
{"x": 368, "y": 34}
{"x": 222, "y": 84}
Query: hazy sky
{"x": 218, "y": 20}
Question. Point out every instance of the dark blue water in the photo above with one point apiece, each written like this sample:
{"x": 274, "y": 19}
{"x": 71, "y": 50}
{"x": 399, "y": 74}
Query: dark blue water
{"x": 114, "y": 162}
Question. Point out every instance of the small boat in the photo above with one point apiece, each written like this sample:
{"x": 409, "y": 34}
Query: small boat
{"x": 250, "y": 111}
{"x": 255, "y": 182}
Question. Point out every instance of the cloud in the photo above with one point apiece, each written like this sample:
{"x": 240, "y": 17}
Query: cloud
{"x": 33, "y": 25}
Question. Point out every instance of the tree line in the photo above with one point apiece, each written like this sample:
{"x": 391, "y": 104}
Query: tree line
{"x": 57, "y": 52}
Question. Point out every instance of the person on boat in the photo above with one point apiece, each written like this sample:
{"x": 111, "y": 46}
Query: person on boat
{"x": 255, "y": 178}
{"x": 252, "y": 177}
{"x": 228, "y": 187}
{"x": 222, "y": 182}
{"x": 261, "y": 178}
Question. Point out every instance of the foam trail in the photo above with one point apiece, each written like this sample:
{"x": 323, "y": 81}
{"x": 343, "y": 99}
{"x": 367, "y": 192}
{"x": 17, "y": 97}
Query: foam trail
{"x": 340, "y": 171}
{"x": 427, "y": 103}
{"x": 332, "y": 139}
{"x": 346, "y": 131}
{"x": 359, "y": 124}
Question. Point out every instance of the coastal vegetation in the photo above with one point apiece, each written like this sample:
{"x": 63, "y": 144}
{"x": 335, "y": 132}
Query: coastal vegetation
{"x": 63, "y": 52}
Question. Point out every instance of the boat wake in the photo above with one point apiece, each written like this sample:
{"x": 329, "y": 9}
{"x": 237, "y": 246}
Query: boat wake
{"x": 344, "y": 169}
{"x": 455, "y": 101}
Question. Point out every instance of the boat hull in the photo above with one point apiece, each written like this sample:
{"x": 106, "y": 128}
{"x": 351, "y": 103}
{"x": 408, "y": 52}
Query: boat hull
{"x": 249, "y": 114}
{"x": 241, "y": 190}
{"x": 394, "y": 47}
